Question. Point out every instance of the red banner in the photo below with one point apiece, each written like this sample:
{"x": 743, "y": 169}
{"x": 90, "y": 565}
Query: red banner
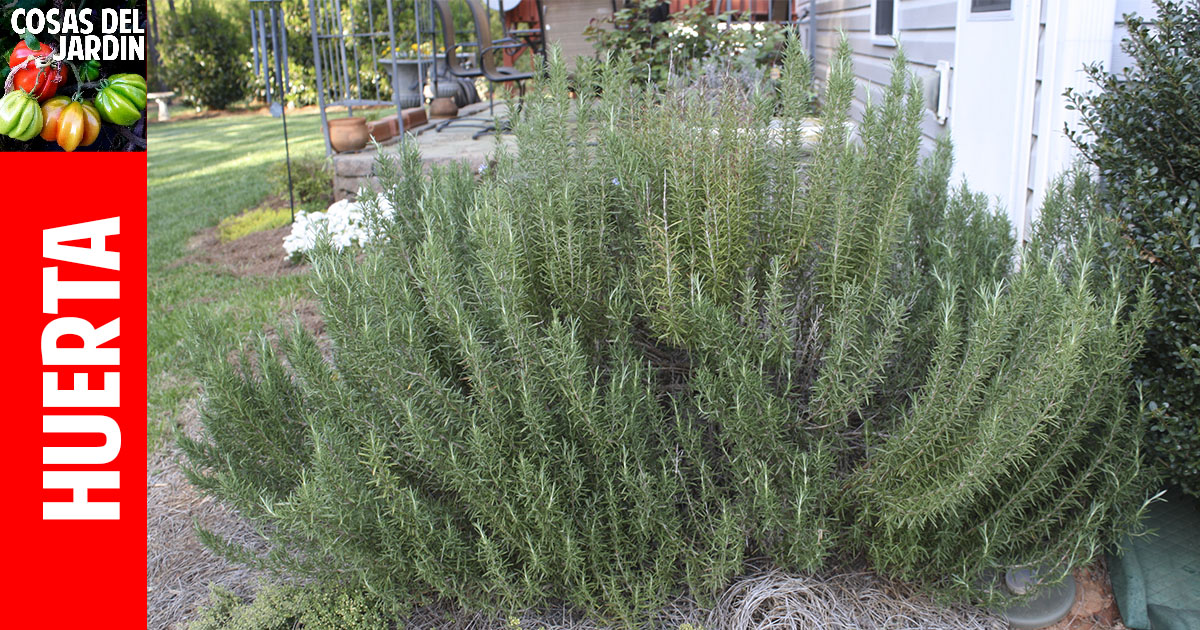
{"x": 75, "y": 375}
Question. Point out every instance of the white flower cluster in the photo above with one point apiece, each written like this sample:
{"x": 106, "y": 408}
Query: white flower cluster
{"x": 344, "y": 224}
{"x": 685, "y": 31}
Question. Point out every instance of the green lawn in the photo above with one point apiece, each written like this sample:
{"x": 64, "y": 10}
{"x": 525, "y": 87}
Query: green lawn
{"x": 201, "y": 171}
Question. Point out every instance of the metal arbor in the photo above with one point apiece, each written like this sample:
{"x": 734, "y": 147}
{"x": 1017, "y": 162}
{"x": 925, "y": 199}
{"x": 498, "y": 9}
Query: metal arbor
{"x": 349, "y": 37}
{"x": 269, "y": 54}
{"x": 269, "y": 39}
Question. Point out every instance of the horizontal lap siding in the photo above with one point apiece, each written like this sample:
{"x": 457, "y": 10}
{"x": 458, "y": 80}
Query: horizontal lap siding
{"x": 926, "y": 33}
{"x": 566, "y": 21}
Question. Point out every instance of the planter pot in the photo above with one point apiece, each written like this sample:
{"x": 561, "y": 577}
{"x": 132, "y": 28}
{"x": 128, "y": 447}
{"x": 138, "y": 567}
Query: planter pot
{"x": 348, "y": 134}
{"x": 443, "y": 107}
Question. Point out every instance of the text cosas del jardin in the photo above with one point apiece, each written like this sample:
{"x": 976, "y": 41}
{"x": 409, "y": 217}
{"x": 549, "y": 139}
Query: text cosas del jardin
{"x": 84, "y": 35}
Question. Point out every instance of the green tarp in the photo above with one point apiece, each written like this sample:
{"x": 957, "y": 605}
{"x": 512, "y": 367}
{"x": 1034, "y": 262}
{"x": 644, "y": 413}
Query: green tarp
{"x": 1157, "y": 579}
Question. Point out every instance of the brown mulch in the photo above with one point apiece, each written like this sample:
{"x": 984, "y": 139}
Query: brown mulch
{"x": 256, "y": 254}
{"x": 257, "y": 109}
{"x": 1095, "y": 606}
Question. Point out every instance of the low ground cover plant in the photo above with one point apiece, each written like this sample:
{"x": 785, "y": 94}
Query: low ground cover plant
{"x": 288, "y": 607}
{"x": 251, "y": 221}
{"x": 1142, "y": 131}
{"x": 667, "y": 335}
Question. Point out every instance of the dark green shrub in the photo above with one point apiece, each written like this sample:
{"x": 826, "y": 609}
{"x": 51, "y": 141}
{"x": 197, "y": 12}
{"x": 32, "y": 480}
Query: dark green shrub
{"x": 1143, "y": 133}
{"x": 669, "y": 334}
{"x": 312, "y": 181}
{"x": 204, "y": 56}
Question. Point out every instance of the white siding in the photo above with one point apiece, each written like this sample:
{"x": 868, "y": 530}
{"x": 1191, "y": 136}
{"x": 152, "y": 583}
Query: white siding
{"x": 1144, "y": 8}
{"x": 1037, "y": 106}
{"x": 926, "y": 33}
{"x": 566, "y": 21}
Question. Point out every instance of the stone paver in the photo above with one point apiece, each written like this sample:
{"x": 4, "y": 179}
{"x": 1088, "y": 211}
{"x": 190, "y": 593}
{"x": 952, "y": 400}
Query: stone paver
{"x": 454, "y": 143}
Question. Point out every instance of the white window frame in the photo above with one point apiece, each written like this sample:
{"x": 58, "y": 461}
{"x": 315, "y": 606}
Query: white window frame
{"x": 886, "y": 40}
{"x": 989, "y": 16}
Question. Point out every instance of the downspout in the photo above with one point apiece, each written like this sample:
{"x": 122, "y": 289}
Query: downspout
{"x": 812, "y": 31}
{"x": 1026, "y": 90}
{"x": 1078, "y": 32}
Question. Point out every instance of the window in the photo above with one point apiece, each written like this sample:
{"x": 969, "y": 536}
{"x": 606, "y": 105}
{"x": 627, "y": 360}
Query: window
{"x": 988, "y": 6}
{"x": 883, "y": 19}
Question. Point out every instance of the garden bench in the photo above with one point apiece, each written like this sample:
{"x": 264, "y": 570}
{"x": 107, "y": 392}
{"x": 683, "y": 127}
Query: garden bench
{"x": 163, "y": 99}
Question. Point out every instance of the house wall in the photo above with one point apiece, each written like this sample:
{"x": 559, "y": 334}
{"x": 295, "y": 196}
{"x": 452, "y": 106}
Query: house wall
{"x": 926, "y": 32}
{"x": 566, "y": 21}
{"x": 1115, "y": 60}
{"x": 1065, "y": 35}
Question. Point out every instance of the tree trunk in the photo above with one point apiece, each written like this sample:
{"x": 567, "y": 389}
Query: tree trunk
{"x": 153, "y": 60}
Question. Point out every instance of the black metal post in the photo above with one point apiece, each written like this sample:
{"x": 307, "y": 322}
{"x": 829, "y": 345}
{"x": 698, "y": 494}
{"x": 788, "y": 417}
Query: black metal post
{"x": 273, "y": 59}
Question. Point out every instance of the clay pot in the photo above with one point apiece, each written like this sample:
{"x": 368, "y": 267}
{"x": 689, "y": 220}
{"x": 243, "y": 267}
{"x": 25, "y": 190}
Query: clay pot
{"x": 443, "y": 107}
{"x": 348, "y": 134}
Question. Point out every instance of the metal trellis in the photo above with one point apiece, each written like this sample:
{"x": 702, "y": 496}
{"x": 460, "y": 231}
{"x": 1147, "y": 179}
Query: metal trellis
{"x": 269, "y": 38}
{"x": 344, "y": 32}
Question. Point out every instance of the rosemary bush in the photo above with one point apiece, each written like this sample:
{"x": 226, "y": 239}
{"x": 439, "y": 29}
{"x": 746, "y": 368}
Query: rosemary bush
{"x": 669, "y": 334}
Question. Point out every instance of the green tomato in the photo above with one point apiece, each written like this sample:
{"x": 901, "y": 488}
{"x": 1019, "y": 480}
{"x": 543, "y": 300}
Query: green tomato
{"x": 90, "y": 71}
{"x": 20, "y": 115}
{"x": 121, "y": 99}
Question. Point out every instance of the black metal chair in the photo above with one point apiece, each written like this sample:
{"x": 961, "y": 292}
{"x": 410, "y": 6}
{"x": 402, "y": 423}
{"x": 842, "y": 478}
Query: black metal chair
{"x": 486, "y": 64}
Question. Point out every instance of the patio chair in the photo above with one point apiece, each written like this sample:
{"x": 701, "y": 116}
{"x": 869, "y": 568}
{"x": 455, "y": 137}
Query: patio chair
{"x": 485, "y": 64}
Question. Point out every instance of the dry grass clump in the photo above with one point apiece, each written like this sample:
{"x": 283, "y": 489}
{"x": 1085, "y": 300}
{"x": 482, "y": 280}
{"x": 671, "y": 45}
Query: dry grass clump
{"x": 179, "y": 568}
{"x": 854, "y": 601}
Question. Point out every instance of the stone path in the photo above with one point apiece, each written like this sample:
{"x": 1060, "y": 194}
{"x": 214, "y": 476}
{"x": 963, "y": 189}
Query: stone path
{"x": 454, "y": 143}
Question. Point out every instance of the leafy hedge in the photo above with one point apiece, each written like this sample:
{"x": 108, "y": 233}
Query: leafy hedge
{"x": 1143, "y": 132}
{"x": 204, "y": 56}
{"x": 669, "y": 334}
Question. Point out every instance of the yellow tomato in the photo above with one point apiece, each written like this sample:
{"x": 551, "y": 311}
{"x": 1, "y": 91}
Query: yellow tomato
{"x": 51, "y": 110}
{"x": 91, "y": 127}
{"x": 71, "y": 124}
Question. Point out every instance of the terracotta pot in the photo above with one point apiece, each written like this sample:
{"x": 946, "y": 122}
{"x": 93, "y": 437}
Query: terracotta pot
{"x": 348, "y": 134}
{"x": 443, "y": 107}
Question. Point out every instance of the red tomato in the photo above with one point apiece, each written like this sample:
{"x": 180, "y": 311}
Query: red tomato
{"x": 21, "y": 51}
{"x": 40, "y": 82}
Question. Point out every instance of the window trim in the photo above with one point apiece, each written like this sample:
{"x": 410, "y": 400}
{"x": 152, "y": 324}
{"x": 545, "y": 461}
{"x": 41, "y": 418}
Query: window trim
{"x": 989, "y": 16}
{"x": 886, "y": 40}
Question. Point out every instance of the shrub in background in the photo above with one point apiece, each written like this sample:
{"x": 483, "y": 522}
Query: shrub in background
{"x": 658, "y": 42}
{"x": 1143, "y": 133}
{"x": 312, "y": 181}
{"x": 669, "y": 334}
{"x": 204, "y": 56}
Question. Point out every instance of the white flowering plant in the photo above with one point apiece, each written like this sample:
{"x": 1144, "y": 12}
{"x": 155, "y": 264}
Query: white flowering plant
{"x": 343, "y": 225}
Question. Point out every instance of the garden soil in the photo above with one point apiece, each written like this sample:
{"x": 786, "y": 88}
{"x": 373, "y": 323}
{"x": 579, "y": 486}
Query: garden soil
{"x": 256, "y": 254}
